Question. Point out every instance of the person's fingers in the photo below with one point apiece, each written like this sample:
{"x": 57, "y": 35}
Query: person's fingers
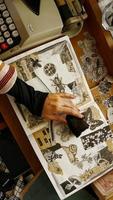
{"x": 56, "y": 100}
{"x": 67, "y": 95}
{"x": 65, "y": 109}
{"x": 58, "y": 105}
{"x": 69, "y": 104}
{"x": 71, "y": 111}
{"x": 66, "y": 100}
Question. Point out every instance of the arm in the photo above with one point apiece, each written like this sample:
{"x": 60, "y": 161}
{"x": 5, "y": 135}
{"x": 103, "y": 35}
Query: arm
{"x": 26, "y": 95}
{"x": 23, "y": 93}
{"x": 50, "y": 106}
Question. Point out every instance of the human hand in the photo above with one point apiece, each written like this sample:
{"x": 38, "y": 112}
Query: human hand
{"x": 58, "y": 105}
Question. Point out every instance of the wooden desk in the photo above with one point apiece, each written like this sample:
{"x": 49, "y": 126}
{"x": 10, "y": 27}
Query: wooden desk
{"x": 102, "y": 37}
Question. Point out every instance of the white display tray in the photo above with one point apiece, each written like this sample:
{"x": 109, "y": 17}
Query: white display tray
{"x": 71, "y": 163}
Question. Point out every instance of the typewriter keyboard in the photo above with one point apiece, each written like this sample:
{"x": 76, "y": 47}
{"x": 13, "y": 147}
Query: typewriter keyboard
{"x": 9, "y": 35}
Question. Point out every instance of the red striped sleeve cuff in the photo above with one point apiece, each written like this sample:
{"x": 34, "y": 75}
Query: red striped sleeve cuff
{"x": 8, "y": 76}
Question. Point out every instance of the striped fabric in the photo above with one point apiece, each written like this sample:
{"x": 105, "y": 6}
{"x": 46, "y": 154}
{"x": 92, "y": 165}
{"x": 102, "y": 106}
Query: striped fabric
{"x": 8, "y": 76}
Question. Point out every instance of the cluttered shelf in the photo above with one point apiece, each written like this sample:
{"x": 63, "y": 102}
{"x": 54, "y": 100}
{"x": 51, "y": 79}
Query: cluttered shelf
{"x": 103, "y": 37}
